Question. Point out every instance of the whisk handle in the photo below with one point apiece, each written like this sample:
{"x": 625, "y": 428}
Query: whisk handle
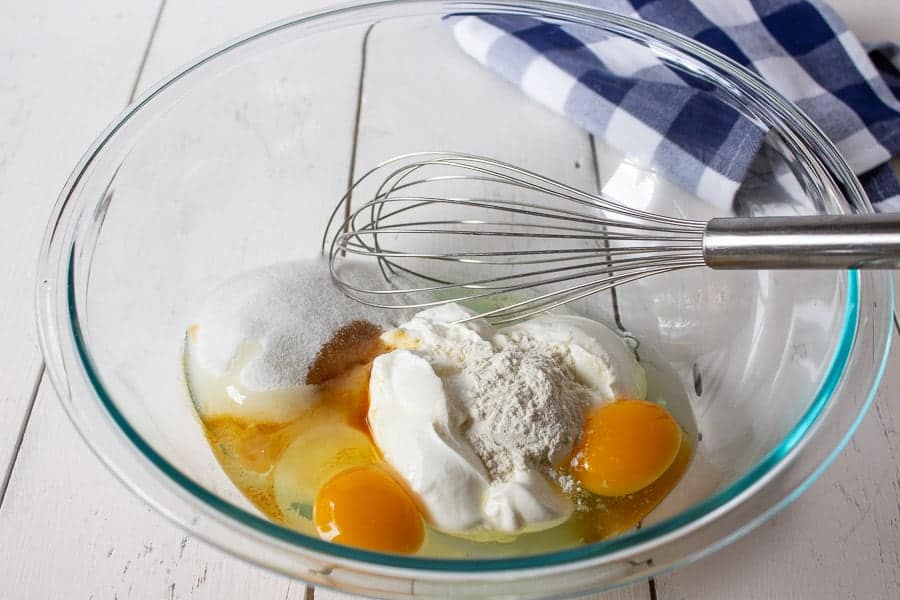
{"x": 808, "y": 242}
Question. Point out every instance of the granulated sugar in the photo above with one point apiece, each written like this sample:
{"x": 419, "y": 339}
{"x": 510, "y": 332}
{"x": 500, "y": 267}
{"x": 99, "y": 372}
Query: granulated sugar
{"x": 285, "y": 313}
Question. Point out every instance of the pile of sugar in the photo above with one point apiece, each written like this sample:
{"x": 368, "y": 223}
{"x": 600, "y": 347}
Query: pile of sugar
{"x": 526, "y": 410}
{"x": 286, "y": 313}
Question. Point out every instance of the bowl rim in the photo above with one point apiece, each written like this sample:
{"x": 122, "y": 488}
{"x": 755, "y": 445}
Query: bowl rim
{"x": 57, "y": 266}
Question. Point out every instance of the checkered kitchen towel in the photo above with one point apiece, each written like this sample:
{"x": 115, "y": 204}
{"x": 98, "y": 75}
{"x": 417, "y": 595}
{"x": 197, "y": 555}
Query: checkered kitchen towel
{"x": 802, "y": 48}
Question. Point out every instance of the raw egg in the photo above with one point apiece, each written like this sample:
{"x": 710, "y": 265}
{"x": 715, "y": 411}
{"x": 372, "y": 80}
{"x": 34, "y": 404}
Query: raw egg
{"x": 367, "y": 508}
{"x": 315, "y": 456}
{"x": 625, "y": 446}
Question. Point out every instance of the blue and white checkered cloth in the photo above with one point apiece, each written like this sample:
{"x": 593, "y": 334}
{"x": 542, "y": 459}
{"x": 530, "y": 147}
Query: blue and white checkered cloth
{"x": 801, "y": 47}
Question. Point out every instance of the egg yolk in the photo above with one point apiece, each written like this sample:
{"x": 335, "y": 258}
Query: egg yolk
{"x": 367, "y": 508}
{"x": 317, "y": 454}
{"x": 625, "y": 446}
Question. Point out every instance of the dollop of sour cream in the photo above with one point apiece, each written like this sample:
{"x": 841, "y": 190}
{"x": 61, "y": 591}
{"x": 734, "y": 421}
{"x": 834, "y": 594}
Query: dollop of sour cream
{"x": 418, "y": 422}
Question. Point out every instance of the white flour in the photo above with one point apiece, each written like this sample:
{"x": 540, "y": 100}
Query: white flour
{"x": 525, "y": 409}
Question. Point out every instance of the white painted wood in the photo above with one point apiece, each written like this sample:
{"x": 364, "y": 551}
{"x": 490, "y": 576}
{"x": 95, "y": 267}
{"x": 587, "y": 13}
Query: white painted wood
{"x": 411, "y": 104}
{"x": 71, "y": 530}
{"x": 241, "y": 172}
{"x": 633, "y": 592}
{"x": 67, "y": 69}
{"x": 839, "y": 539}
{"x": 153, "y": 557}
{"x": 870, "y": 20}
{"x": 421, "y": 93}
{"x": 189, "y": 29}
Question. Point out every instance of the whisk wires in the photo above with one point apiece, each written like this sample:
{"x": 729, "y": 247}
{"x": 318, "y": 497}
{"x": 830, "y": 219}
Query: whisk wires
{"x": 446, "y": 227}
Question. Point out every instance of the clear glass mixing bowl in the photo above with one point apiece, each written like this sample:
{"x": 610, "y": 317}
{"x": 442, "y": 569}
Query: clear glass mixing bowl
{"x": 236, "y": 162}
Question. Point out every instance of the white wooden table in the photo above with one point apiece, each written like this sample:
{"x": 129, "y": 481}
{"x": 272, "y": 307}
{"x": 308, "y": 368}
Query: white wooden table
{"x": 68, "y": 529}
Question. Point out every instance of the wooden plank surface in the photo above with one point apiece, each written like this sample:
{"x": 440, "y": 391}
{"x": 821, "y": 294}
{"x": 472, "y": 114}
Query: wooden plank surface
{"x": 463, "y": 110}
{"x": 188, "y": 29}
{"x": 467, "y": 109}
{"x": 71, "y": 530}
{"x": 67, "y": 68}
{"x": 115, "y": 546}
{"x": 838, "y": 540}
{"x": 633, "y": 592}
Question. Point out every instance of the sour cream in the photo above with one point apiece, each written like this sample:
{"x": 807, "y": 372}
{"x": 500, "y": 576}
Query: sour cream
{"x": 418, "y": 420}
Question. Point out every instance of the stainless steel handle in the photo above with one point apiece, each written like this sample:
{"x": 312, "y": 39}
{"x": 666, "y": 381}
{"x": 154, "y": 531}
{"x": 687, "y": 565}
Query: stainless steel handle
{"x": 814, "y": 242}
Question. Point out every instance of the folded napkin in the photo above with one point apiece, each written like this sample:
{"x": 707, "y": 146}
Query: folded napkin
{"x": 802, "y": 48}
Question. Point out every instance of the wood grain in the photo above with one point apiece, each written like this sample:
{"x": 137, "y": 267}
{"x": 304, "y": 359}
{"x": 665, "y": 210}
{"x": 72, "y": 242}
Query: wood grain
{"x": 838, "y": 540}
{"x": 633, "y": 592}
{"x": 71, "y": 530}
{"x": 188, "y": 29}
{"x": 125, "y": 549}
{"x": 68, "y": 68}
{"x": 421, "y": 93}
{"x": 406, "y": 108}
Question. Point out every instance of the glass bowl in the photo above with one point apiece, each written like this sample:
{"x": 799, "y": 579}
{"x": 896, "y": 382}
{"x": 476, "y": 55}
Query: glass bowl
{"x": 236, "y": 162}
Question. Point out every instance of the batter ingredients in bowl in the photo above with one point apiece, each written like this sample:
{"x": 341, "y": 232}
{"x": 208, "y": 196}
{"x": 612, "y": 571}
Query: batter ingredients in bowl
{"x": 433, "y": 434}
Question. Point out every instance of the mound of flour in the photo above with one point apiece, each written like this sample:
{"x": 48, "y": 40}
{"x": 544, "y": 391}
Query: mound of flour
{"x": 525, "y": 408}
{"x": 280, "y": 316}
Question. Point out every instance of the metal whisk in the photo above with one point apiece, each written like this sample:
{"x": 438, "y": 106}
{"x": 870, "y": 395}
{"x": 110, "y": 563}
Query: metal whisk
{"x": 449, "y": 227}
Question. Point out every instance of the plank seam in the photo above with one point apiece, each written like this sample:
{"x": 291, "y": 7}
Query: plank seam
{"x": 359, "y": 100}
{"x": 310, "y": 593}
{"x": 20, "y": 437}
{"x": 652, "y": 584}
{"x": 146, "y": 55}
{"x": 617, "y": 316}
